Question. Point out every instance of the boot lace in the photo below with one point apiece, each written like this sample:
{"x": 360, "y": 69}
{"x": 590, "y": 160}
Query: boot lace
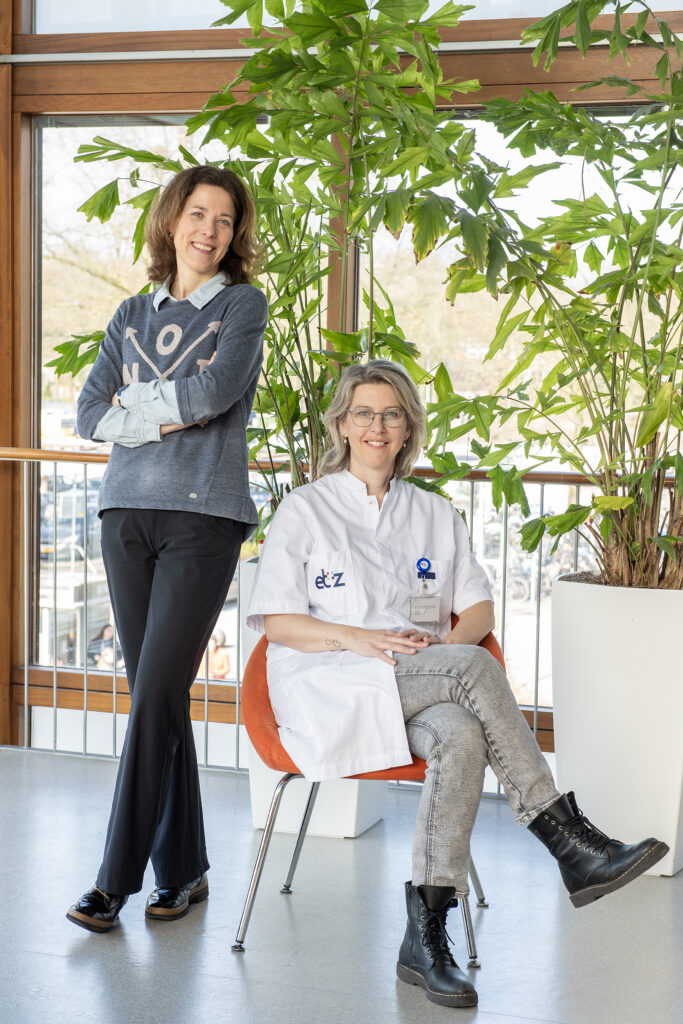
{"x": 580, "y": 829}
{"x": 434, "y": 935}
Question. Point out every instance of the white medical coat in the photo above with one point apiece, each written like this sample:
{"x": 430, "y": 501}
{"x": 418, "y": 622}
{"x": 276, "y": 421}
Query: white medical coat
{"x": 331, "y": 552}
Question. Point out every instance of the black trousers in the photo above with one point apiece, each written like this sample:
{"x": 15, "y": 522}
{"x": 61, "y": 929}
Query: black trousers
{"x": 168, "y": 575}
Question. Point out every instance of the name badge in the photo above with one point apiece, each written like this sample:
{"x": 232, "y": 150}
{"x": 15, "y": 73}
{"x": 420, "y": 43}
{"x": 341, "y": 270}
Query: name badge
{"x": 424, "y": 609}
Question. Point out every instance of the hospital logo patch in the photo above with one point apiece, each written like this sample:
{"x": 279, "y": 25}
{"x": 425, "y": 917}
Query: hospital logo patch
{"x": 327, "y": 580}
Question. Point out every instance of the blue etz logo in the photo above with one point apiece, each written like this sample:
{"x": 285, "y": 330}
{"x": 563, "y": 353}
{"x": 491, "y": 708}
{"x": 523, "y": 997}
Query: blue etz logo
{"x": 326, "y": 580}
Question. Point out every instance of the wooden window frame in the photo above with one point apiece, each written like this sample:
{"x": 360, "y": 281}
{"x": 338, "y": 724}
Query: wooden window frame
{"x": 99, "y": 73}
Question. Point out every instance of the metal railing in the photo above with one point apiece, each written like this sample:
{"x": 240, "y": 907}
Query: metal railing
{"x": 65, "y": 600}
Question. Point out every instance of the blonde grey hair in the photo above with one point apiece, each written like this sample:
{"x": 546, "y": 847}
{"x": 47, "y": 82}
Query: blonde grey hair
{"x": 375, "y": 371}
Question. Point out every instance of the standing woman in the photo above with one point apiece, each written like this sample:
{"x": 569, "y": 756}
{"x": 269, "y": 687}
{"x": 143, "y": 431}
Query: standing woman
{"x": 173, "y": 387}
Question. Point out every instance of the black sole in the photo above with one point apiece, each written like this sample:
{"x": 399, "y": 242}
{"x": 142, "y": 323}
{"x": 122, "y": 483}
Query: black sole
{"x": 415, "y": 978}
{"x": 174, "y": 915}
{"x": 596, "y": 892}
{"x": 89, "y": 924}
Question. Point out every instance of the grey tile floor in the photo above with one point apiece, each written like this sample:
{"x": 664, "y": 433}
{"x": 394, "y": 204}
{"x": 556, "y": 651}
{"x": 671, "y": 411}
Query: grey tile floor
{"x": 326, "y": 954}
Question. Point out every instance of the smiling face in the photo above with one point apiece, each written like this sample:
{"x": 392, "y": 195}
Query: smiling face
{"x": 373, "y": 448}
{"x": 202, "y": 235}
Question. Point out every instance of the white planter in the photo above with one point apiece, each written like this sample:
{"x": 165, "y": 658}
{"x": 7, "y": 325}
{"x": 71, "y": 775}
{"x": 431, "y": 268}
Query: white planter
{"x": 618, "y": 709}
{"x": 344, "y": 807}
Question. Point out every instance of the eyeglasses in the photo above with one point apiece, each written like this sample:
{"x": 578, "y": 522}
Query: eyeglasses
{"x": 363, "y": 416}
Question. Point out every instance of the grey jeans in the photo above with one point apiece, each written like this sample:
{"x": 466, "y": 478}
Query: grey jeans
{"x": 461, "y": 716}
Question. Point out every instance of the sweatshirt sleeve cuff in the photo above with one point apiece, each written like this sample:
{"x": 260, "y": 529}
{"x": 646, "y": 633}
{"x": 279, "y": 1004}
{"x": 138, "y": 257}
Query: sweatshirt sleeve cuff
{"x": 120, "y": 426}
{"x": 154, "y": 402}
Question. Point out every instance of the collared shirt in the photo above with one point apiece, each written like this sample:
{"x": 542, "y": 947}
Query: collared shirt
{"x": 199, "y": 297}
{"x": 333, "y": 553}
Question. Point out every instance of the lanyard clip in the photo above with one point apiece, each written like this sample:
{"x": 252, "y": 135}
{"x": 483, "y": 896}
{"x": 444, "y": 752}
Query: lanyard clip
{"x": 423, "y": 566}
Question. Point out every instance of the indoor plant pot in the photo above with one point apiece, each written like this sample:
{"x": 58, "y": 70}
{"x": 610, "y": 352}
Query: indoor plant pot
{"x": 618, "y": 694}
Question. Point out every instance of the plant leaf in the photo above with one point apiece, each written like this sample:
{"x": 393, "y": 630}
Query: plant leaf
{"x": 667, "y": 544}
{"x": 396, "y": 210}
{"x": 532, "y": 534}
{"x": 593, "y": 257}
{"x": 505, "y": 328}
{"x": 430, "y": 222}
{"x": 442, "y": 383}
{"x": 655, "y": 415}
{"x": 495, "y": 457}
{"x": 475, "y": 236}
{"x": 402, "y": 10}
{"x": 602, "y": 502}
{"x": 103, "y": 203}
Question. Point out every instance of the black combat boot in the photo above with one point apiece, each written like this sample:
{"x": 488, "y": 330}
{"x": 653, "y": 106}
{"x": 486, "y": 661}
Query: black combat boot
{"x": 591, "y": 864}
{"x": 425, "y": 958}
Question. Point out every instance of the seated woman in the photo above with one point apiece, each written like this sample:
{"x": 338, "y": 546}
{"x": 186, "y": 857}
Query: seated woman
{"x": 355, "y": 588}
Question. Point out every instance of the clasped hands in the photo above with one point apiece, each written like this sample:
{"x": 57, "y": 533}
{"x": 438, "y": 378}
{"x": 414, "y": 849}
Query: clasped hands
{"x": 169, "y": 428}
{"x": 165, "y": 428}
{"x": 378, "y": 643}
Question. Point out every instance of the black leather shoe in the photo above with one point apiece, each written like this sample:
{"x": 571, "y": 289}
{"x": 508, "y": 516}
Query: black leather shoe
{"x": 170, "y": 904}
{"x": 425, "y": 958}
{"x": 591, "y": 864}
{"x": 96, "y": 910}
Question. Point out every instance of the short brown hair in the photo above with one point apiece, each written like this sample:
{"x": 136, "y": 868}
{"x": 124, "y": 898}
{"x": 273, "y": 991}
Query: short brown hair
{"x": 239, "y": 263}
{"x": 375, "y": 371}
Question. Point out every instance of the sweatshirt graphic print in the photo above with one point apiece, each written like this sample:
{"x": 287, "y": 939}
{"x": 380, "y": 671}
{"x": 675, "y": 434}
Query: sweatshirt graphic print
{"x": 213, "y": 355}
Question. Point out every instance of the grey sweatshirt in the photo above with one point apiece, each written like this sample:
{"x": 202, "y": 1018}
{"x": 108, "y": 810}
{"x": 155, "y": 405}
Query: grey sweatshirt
{"x": 200, "y": 469}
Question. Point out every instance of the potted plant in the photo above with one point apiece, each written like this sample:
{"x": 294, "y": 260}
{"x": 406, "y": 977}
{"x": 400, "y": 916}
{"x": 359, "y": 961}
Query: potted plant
{"x": 595, "y": 290}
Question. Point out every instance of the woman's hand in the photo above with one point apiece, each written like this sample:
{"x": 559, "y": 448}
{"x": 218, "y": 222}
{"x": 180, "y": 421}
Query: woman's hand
{"x": 168, "y": 428}
{"x": 310, "y": 635}
{"x": 374, "y": 643}
{"x": 421, "y": 634}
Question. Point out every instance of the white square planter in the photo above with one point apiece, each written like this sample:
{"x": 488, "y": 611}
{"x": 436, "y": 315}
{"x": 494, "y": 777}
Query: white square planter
{"x": 618, "y": 709}
{"x": 344, "y": 808}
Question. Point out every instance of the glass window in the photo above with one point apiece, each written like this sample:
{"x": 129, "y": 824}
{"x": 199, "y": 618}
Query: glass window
{"x": 85, "y": 270}
{"x": 459, "y": 335}
{"x": 125, "y": 15}
{"x": 164, "y": 15}
{"x": 502, "y": 9}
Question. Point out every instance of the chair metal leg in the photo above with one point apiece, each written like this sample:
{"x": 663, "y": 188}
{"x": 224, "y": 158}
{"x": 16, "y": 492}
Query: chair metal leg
{"x": 476, "y": 884}
{"x": 310, "y": 804}
{"x": 469, "y": 932}
{"x": 238, "y": 945}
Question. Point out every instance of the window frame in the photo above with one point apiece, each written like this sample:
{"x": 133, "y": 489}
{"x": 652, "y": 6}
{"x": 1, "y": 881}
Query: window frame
{"x": 139, "y": 73}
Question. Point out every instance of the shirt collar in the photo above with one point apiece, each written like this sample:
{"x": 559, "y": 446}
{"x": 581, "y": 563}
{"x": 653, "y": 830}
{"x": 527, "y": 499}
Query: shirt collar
{"x": 199, "y": 298}
{"x": 352, "y": 483}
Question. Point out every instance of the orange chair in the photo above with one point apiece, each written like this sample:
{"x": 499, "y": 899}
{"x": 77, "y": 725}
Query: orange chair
{"x": 262, "y": 729}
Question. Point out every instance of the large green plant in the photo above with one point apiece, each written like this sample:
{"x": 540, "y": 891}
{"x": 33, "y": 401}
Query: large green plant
{"x": 596, "y": 289}
{"x": 335, "y": 121}
{"x": 339, "y": 134}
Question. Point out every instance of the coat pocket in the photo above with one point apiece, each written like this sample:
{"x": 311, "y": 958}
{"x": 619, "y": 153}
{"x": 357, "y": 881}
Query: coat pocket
{"x": 331, "y": 583}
